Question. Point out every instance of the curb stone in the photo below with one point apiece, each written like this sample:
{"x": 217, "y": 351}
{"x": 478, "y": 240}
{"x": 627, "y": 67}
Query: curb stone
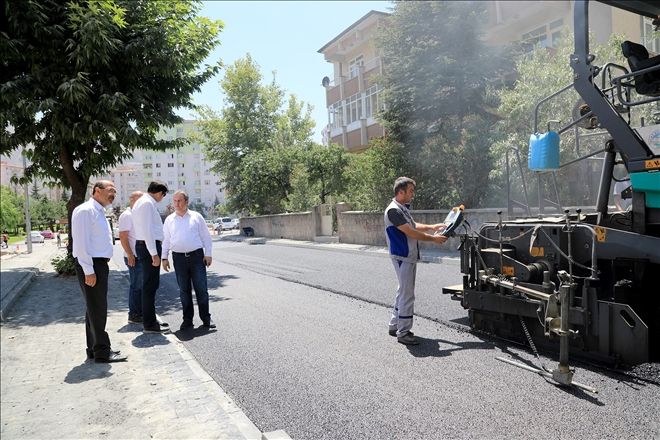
{"x": 10, "y": 298}
{"x": 242, "y": 422}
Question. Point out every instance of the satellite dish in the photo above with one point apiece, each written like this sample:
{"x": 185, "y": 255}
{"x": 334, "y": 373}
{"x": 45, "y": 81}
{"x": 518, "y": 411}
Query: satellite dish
{"x": 325, "y": 82}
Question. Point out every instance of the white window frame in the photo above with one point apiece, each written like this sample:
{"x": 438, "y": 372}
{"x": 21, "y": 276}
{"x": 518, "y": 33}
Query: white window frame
{"x": 354, "y": 66}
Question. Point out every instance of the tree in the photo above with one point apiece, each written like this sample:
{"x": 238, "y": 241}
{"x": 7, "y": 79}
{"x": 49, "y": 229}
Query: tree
{"x": 10, "y": 213}
{"x": 83, "y": 84}
{"x": 434, "y": 89}
{"x": 540, "y": 74}
{"x": 34, "y": 192}
{"x": 370, "y": 175}
{"x": 254, "y": 141}
{"x": 325, "y": 167}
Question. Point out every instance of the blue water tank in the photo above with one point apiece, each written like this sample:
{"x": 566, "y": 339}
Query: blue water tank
{"x": 544, "y": 151}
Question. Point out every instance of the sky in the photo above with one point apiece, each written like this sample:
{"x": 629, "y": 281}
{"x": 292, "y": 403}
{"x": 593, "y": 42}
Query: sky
{"x": 281, "y": 36}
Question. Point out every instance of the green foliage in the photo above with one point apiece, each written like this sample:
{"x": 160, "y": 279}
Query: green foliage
{"x": 257, "y": 140}
{"x": 540, "y": 74}
{"x": 370, "y": 175}
{"x": 84, "y": 83}
{"x": 10, "y": 211}
{"x": 64, "y": 264}
{"x": 435, "y": 86}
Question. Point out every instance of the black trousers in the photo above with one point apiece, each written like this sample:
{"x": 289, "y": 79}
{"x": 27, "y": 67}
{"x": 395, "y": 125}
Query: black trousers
{"x": 96, "y": 315}
{"x": 150, "y": 283}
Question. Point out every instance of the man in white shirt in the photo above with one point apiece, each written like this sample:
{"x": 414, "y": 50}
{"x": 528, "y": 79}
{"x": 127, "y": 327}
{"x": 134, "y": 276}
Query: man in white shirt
{"x": 187, "y": 235}
{"x": 148, "y": 245}
{"x": 127, "y": 240}
{"x": 92, "y": 249}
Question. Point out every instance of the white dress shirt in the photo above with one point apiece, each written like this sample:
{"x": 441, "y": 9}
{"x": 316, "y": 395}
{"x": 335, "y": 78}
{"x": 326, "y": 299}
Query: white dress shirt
{"x": 147, "y": 223}
{"x": 92, "y": 237}
{"x": 186, "y": 233}
{"x": 126, "y": 225}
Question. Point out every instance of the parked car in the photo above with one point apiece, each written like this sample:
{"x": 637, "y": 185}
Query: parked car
{"x": 35, "y": 237}
{"x": 47, "y": 235}
{"x": 224, "y": 224}
{"x": 235, "y": 222}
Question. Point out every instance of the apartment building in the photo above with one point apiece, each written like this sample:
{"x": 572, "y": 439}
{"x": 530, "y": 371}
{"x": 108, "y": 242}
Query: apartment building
{"x": 12, "y": 165}
{"x": 352, "y": 94}
{"x": 185, "y": 169}
{"x": 539, "y": 24}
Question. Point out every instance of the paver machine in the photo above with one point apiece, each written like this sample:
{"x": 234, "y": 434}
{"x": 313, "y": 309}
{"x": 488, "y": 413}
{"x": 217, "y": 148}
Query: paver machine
{"x": 585, "y": 282}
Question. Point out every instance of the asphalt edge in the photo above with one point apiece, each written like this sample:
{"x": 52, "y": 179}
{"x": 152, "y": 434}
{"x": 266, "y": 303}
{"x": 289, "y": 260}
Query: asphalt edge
{"x": 243, "y": 423}
{"x": 454, "y": 261}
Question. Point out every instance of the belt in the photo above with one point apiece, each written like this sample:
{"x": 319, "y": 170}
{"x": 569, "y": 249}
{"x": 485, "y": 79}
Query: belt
{"x": 104, "y": 259}
{"x": 188, "y": 254}
{"x": 142, "y": 241}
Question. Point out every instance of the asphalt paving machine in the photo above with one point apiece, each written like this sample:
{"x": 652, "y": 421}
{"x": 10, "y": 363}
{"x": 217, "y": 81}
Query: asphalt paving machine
{"x": 588, "y": 282}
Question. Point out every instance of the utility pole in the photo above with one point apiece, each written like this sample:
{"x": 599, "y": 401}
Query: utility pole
{"x": 28, "y": 224}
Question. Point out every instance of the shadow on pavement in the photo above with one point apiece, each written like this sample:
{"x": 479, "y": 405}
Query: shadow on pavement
{"x": 436, "y": 347}
{"x": 145, "y": 340}
{"x": 86, "y": 371}
{"x": 189, "y": 334}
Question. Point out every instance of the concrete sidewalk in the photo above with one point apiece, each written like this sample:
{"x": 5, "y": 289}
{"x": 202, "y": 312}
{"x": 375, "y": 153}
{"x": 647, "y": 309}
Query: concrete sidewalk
{"x": 49, "y": 389}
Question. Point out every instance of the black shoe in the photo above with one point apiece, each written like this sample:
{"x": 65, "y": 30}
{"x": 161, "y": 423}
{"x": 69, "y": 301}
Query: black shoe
{"x": 186, "y": 325}
{"x": 113, "y": 357}
{"x": 208, "y": 324}
{"x": 163, "y": 324}
{"x": 135, "y": 319}
{"x": 157, "y": 329}
{"x": 90, "y": 353}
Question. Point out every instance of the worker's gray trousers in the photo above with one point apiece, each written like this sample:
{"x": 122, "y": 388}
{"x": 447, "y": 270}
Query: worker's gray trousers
{"x": 404, "y": 303}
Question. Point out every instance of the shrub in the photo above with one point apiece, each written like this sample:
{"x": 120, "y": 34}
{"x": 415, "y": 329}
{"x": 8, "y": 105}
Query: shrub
{"x": 64, "y": 264}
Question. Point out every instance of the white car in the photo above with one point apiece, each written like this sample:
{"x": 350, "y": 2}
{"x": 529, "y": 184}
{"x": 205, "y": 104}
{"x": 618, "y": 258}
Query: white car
{"x": 236, "y": 222}
{"x": 36, "y": 237}
{"x": 224, "y": 224}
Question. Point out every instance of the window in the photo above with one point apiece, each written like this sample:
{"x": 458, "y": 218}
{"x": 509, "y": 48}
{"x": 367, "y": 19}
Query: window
{"x": 535, "y": 39}
{"x": 207, "y": 182}
{"x": 170, "y": 165}
{"x": 354, "y": 66}
{"x": 353, "y": 108}
{"x": 555, "y": 29}
{"x": 158, "y": 174}
{"x": 371, "y": 102}
{"x": 157, "y": 165}
{"x": 147, "y": 166}
{"x": 336, "y": 115}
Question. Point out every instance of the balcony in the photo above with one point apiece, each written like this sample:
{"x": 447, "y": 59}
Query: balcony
{"x": 352, "y": 85}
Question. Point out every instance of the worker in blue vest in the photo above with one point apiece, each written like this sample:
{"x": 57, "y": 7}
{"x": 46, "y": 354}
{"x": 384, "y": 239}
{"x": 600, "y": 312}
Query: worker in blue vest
{"x": 403, "y": 234}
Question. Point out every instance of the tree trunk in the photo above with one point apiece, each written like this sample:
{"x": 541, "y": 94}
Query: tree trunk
{"x": 78, "y": 184}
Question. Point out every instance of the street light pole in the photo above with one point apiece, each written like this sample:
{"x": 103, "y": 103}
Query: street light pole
{"x": 28, "y": 224}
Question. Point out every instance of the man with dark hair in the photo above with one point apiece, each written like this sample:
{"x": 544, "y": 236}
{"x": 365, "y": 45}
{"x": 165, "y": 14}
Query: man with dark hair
{"x": 402, "y": 234}
{"x": 92, "y": 249}
{"x": 148, "y": 245}
{"x": 187, "y": 236}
